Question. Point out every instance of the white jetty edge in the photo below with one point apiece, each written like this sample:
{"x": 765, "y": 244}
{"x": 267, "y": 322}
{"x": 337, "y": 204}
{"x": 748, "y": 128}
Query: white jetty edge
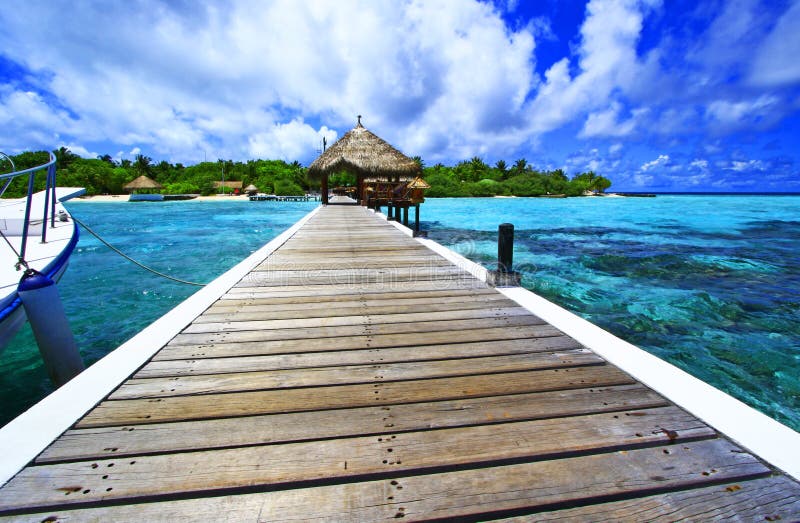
{"x": 769, "y": 439}
{"x": 33, "y": 430}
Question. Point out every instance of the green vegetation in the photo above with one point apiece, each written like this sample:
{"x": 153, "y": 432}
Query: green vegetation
{"x": 468, "y": 178}
{"x": 105, "y": 176}
{"x": 476, "y": 178}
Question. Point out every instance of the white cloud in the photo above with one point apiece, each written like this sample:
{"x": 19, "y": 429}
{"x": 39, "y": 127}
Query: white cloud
{"x": 287, "y": 141}
{"x": 776, "y": 60}
{"x": 606, "y": 123}
{"x": 745, "y": 166}
{"x": 730, "y": 115}
{"x": 662, "y": 160}
{"x": 80, "y": 150}
{"x": 436, "y": 78}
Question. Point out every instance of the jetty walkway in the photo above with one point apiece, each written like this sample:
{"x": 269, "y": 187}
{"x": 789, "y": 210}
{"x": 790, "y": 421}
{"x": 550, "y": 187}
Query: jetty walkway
{"x": 356, "y": 375}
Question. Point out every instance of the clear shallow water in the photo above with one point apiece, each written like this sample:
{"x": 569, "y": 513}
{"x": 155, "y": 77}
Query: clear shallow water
{"x": 708, "y": 283}
{"x": 108, "y": 299}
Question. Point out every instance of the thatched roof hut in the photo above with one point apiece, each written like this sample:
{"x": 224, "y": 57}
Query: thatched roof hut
{"x": 142, "y": 183}
{"x": 364, "y": 154}
{"x": 230, "y": 184}
{"x": 251, "y": 189}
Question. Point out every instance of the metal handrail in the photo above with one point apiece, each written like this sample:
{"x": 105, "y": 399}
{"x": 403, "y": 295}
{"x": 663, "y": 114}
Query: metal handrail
{"x": 49, "y": 199}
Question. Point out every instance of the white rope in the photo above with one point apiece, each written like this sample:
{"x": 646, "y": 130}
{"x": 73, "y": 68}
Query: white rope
{"x": 145, "y": 267}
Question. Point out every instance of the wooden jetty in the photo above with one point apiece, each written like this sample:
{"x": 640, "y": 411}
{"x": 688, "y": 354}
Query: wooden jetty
{"x": 356, "y": 375}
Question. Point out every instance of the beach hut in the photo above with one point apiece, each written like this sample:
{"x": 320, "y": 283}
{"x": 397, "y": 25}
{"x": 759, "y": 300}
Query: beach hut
{"x": 141, "y": 184}
{"x": 142, "y": 190}
{"x": 363, "y": 154}
{"x": 233, "y": 185}
{"x": 251, "y": 189}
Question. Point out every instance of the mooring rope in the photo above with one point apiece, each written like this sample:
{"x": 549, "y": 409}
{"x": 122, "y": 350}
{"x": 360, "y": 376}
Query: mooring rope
{"x": 20, "y": 260}
{"x": 143, "y": 266}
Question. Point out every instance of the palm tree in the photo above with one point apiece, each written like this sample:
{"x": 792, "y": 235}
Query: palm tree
{"x": 520, "y": 166}
{"x": 141, "y": 165}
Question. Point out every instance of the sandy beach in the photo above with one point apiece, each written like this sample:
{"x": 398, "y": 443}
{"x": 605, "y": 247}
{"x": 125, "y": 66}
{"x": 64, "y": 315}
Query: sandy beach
{"x": 124, "y": 198}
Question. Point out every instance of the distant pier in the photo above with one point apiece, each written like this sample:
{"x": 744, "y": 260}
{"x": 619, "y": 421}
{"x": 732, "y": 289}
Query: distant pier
{"x": 354, "y": 374}
{"x": 274, "y": 198}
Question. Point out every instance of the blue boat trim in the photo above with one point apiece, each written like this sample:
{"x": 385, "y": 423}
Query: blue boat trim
{"x": 53, "y": 268}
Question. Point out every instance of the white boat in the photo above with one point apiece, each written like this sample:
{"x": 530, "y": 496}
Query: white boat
{"x": 37, "y": 233}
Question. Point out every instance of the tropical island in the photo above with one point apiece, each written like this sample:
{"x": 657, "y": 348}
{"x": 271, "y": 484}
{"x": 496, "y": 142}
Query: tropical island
{"x": 104, "y": 175}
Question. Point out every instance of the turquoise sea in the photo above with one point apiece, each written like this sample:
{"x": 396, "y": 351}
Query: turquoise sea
{"x": 709, "y": 283}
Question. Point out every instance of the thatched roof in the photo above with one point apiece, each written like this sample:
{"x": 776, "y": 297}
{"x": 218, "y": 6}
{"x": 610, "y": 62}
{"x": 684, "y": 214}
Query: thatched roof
{"x": 142, "y": 182}
{"x": 251, "y": 188}
{"x": 362, "y": 153}
{"x": 418, "y": 183}
{"x": 229, "y": 184}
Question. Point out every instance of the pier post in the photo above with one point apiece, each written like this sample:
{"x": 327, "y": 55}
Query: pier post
{"x": 405, "y": 216}
{"x": 324, "y": 189}
{"x": 504, "y": 276}
{"x": 417, "y": 233}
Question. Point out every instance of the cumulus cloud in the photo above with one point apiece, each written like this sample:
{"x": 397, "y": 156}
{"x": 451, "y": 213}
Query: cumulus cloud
{"x": 662, "y": 160}
{"x": 776, "y": 61}
{"x": 607, "y": 61}
{"x": 729, "y": 114}
{"x": 443, "y": 79}
{"x": 266, "y": 78}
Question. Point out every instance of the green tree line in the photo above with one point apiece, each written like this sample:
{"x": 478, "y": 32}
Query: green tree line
{"x": 104, "y": 175}
{"x": 475, "y": 178}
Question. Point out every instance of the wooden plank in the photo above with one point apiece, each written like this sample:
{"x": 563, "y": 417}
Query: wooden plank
{"x": 153, "y": 410}
{"x": 381, "y": 501}
{"x": 441, "y": 495}
{"x": 122, "y": 441}
{"x": 420, "y": 329}
{"x": 181, "y": 348}
{"x": 340, "y": 375}
{"x": 297, "y": 296}
{"x": 355, "y": 310}
{"x": 162, "y": 368}
{"x": 361, "y": 289}
{"x": 325, "y": 302}
{"x": 764, "y": 499}
{"x": 160, "y": 475}
{"x": 284, "y": 263}
{"x": 353, "y": 278}
{"x": 361, "y": 318}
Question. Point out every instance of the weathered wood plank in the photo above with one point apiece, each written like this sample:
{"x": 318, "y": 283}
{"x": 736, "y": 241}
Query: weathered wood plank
{"x": 122, "y": 412}
{"x": 381, "y": 501}
{"x": 221, "y": 306}
{"x": 161, "y": 475}
{"x": 340, "y": 375}
{"x": 352, "y": 278}
{"x": 348, "y": 308}
{"x": 763, "y": 499}
{"x": 297, "y": 296}
{"x": 420, "y": 329}
{"x": 441, "y": 495}
{"x": 362, "y": 288}
{"x": 105, "y": 442}
{"x": 181, "y": 348}
{"x": 164, "y": 368}
{"x": 359, "y": 319}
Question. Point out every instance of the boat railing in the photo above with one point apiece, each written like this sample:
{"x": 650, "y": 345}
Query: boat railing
{"x": 49, "y": 210}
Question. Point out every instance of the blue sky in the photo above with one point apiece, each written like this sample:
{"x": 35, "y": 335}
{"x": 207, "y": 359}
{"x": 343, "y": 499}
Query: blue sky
{"x": 655, "y": 95}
